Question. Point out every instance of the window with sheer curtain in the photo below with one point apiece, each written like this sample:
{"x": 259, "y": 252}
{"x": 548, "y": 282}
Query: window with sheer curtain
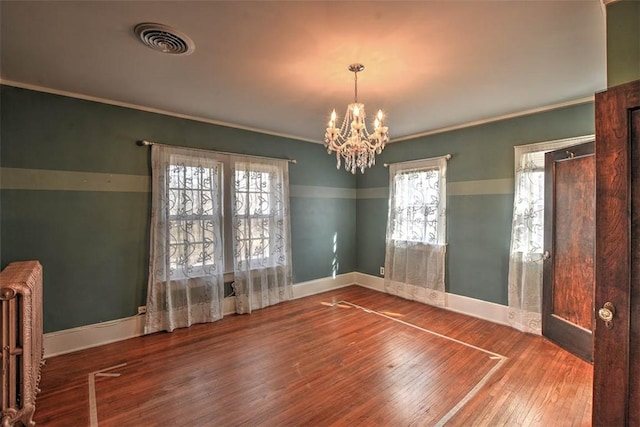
{"x": 262, "y": 255}
{"x": 416, "y": 230}
{"x": 190, "y": 237}
{"x": 527, "y": 234}
{"x": 186, "y": 263}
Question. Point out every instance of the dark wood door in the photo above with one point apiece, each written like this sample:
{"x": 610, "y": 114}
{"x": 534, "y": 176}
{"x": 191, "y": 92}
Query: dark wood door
{"x": 616, "y": 376}
{"x": 569, "y": 277}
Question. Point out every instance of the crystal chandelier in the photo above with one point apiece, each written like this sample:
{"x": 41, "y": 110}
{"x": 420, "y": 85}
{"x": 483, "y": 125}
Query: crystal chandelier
{"x": 352, "y": 141}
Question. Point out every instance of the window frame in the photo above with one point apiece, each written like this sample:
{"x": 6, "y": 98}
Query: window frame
{"x": 172, "y": 249}
{"x": 257, "y": 167}
{"x": 437, "y": 164}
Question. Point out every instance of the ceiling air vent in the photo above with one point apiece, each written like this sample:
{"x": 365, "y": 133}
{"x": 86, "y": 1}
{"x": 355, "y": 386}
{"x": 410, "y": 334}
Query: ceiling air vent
{"x": 164, "y": 39}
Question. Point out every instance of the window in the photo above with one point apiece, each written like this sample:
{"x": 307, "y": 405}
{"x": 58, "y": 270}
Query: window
{"x": 220, "y": 211}
{"x": 256, "y": 213}
{"x": 528, "y": 210}
{"x": 417, "y": 201}
{"x": 193, "y": 217}
{"x": 215, "y": 216}
{"x": 417, "y": 205}
{"x": 415, "y": 244}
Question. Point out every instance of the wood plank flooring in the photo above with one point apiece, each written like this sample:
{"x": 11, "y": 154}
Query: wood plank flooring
{"x": 312, "y": 362}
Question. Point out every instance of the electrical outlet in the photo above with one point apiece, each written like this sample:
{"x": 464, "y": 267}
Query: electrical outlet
{"x": 142, "y": 309}
{"x": 382, "y": 271}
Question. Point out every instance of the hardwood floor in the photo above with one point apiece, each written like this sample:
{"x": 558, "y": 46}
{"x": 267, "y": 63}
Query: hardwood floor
{"x": 315, "y": 363}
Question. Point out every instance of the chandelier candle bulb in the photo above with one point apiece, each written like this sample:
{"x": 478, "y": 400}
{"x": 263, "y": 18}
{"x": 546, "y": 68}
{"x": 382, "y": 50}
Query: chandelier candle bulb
{"x": 352, "y": 141}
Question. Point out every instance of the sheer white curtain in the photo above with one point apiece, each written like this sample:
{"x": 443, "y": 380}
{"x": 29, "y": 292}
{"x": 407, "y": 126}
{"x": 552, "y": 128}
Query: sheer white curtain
{"x": 261, "y": 232}
{"x": 416, "y": 231}
{"x": 527, "y": 234}
{"x": 186, "y": 262}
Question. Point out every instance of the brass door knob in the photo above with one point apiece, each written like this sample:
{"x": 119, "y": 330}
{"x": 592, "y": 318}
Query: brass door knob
{"x": 606, "y": 313}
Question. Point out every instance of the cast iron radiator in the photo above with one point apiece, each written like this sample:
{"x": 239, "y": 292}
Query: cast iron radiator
{"x": 22, "y": 351}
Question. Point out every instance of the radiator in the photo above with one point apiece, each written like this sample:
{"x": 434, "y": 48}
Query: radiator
{"x": 22, "y": 351}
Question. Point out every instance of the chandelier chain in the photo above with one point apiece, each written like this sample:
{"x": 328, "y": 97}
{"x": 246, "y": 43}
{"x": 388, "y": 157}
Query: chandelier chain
{"x": 355, "y": 78}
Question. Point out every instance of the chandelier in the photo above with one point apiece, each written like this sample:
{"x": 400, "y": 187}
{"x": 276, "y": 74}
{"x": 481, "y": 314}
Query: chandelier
{"x": 352, "y": 140}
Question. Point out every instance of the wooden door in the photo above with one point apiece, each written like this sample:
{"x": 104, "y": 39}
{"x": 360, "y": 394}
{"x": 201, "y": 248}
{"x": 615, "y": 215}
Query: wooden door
{"x": 616, "y": 376}
{"x": 569, "y": 277}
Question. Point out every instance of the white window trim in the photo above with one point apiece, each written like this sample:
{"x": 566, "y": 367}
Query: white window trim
{"x": 546, "y": 146}
{"x": 439, "y": 163}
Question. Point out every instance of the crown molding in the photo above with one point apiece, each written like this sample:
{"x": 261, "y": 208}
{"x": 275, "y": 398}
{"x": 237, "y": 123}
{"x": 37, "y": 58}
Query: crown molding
{"x": 579, "y": 101}
{"x": 284, "y": 135}
{"x": 150, "y": 109}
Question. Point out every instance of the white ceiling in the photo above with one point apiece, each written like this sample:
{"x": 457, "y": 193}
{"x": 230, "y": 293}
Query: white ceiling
{"x": 280, "y": 67}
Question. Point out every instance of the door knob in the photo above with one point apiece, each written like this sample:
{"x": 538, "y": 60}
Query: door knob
{"x": 606, "y": 313}
{"x": 546, "y": 255}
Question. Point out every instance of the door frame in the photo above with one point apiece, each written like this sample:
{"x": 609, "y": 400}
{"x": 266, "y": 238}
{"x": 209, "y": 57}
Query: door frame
{"x": 616, "y": 394}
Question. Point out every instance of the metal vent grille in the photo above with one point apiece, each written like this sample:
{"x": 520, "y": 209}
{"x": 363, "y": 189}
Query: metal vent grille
{"x": 164, "y": 39}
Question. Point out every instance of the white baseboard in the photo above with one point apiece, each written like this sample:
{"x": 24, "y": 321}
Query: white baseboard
{"x": 313, "y": 287}
{"x": 371, "y": 282}
{"x": 69, "y": 340}
{"x": 496, "y": 313}
{"x": 490, "y": 311}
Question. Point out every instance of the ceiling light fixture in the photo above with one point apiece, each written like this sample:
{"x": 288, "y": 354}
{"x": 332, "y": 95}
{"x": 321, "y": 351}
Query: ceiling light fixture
{"x": 352, "y": 141}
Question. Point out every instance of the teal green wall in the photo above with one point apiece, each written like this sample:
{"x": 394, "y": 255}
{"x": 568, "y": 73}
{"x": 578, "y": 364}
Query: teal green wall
{"x": 623, "y": 42}
{"x": 93, "y": 245}
{"x": 479, "y": 223}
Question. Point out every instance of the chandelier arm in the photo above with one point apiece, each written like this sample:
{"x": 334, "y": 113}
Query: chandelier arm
{"x": 343, "y": 129}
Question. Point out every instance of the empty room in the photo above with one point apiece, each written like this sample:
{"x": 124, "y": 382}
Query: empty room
{"x": 320, "y": 213}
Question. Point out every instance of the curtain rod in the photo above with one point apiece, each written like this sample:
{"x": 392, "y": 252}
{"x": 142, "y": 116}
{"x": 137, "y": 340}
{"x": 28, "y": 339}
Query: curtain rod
{"x": 144, "y": 143}
{"x": 446, "y": 156}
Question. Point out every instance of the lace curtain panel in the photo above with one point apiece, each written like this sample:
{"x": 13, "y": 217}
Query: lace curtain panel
{"x": 186, "y": 251}
{"x": 416, "y": 230}
{"x": 527, "y": 234}
{"x": 261, "y": 233}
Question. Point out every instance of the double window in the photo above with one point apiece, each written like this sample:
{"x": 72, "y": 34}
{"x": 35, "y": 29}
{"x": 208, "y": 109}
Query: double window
{"x": 221, "y": 212}
{"x": 215, "y": 218}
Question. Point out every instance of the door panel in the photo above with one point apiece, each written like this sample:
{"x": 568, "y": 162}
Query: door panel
{"x": 616, "y": 376}
{"x": 569, "y": 277}
{"x": 574, "y": 241}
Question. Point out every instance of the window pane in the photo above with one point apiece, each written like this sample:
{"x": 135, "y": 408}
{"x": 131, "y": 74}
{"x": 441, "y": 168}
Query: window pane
{"x": 416, "y": 206}
{"x": 255, "y": 203}
{"x": 529, "y": 213}
{"x": 259, "y": 203}
{"x": 242, "y": 204}
{"x": 194, "y": 214}
{"x": 260, "y": 248}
